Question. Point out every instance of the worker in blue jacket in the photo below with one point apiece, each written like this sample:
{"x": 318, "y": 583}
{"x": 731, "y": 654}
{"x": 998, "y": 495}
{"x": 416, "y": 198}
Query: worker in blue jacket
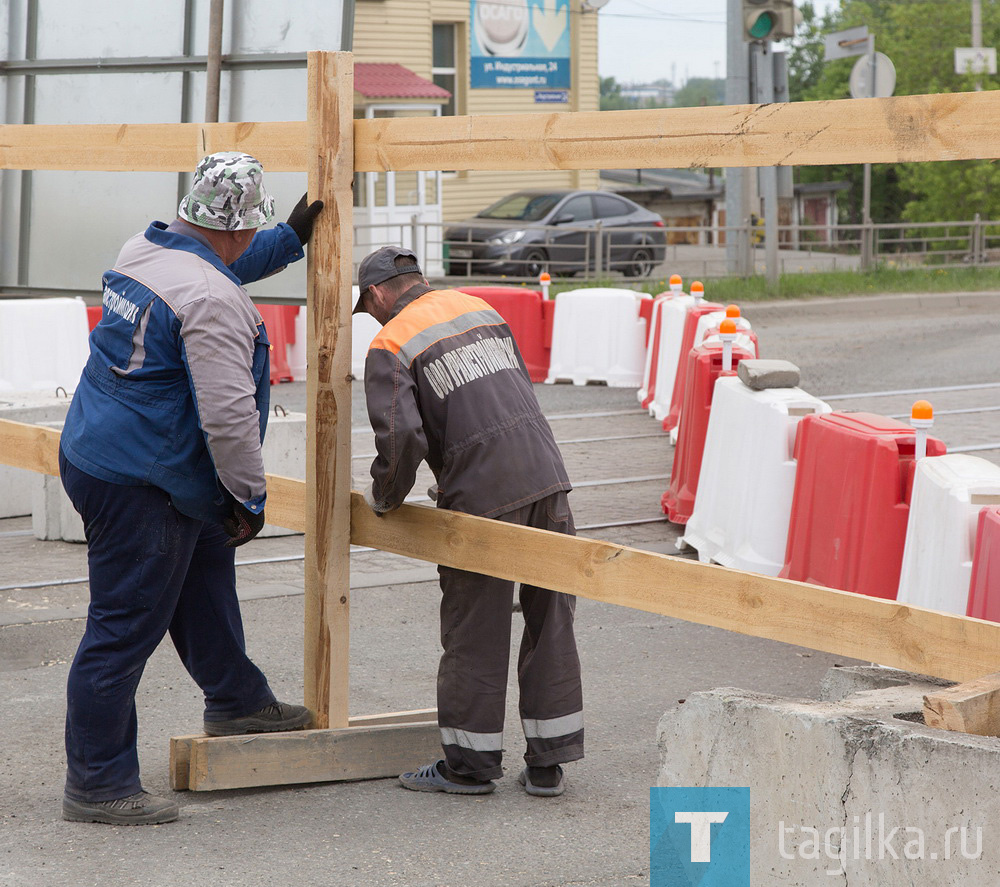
{"x": 161, "y": 455}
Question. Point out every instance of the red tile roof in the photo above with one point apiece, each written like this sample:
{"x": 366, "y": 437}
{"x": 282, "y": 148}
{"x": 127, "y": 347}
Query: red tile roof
{"x": 388, "y": 80}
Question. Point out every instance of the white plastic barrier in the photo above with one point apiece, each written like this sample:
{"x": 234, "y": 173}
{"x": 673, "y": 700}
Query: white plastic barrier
{"x": 948, "y": 493}
{"x": 710, "y": 321}
{"x": 648, "y": 369}
{"x": 32, "y": 408}
{"x": 598, "y": 336}
{"x": 43, "y": 343}
{"x": 364, "y": 328}
{"x": 53, "y": 515}
{"x": 744, "y": 500}
{"x": 673, "y": 315}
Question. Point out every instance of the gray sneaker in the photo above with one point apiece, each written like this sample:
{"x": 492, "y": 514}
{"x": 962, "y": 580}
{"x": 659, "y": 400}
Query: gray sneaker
{"x": 273, "y": 718}
{"x": 141, "y": 808}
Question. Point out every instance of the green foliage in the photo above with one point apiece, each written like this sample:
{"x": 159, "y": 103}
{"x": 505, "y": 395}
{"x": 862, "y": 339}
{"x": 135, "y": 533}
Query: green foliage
{"x": 920, "y": 37}
{"x": 700, "y": 91}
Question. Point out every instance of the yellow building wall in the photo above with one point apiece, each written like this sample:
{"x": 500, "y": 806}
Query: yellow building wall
{"x": 400, "y": 31}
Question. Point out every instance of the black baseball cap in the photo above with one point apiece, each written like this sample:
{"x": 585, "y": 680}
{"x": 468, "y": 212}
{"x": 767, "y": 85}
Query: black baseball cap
{"x": 380, "y": 266}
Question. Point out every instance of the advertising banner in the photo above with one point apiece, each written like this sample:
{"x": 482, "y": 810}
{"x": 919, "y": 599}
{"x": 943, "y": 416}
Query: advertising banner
{"x": 519, "y": 44}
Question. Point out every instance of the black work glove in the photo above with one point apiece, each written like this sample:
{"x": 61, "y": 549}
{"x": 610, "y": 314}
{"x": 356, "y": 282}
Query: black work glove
{"x": 242, "y": 525}
{"x": 301, "y": 218}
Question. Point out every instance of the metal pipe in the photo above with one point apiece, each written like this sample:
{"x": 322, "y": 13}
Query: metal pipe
{"x": 213, "y": 66}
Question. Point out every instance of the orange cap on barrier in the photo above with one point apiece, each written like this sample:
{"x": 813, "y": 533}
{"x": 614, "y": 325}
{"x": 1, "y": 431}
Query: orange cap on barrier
{"x": 733, "y": 311}
{"x": 698, "y": 287}
{"x": 545, "y": 277}
{"x": 728, "y": 327}
{"x": 922, "y": 409}
{"x": 675, "y": 279}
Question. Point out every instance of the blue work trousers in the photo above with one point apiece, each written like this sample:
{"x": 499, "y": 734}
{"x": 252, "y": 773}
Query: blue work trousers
{"x": 152, "y": 570}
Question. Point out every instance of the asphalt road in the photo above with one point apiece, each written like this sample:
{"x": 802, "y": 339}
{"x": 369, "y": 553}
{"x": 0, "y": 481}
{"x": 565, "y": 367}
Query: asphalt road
{"x": 636, "y": 666}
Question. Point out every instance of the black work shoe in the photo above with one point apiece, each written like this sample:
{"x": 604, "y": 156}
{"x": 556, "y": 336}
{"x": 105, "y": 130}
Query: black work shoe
{"x": 141, "y": 808}
{"x": 273, "y": 718}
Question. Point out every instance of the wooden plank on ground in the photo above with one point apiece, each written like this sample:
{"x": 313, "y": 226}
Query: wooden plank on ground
{"x": 328, "y": 389}
{"x": 364, "y": 752}
{"x": 952, "y": 126}
{"x": 972, "y": 707}
{"x": 152, "y": 147}
{"x": 180, "y": 746}
{"x": 924, "y": 641}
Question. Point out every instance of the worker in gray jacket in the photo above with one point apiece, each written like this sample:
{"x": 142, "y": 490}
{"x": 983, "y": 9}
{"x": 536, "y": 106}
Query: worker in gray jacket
{"x": 445, "y": 382}
{"x": 161, "y": 455}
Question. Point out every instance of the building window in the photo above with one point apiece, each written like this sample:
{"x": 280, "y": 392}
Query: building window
{"x": 444, "y": 67}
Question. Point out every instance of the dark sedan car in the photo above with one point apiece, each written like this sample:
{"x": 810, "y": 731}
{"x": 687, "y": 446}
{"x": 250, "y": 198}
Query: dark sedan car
{"x": 557, "y": 231}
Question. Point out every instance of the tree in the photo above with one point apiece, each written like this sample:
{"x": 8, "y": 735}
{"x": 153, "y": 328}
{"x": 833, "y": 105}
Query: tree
{"x": 700, "y": 91}
{"x": 919, "y": 36}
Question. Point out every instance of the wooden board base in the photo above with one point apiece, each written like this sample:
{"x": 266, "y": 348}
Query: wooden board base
{"x": 972, "y": 707}
{"x": 372, "y": 747}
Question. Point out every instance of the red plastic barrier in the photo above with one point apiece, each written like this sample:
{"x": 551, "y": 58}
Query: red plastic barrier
{"x": 704, "y": 366}
{"x": 654, "y": 358}
{"x": 984, "y": 588}
{"x": 94, "y": 313}
{"x": 280, "y": 323}
{"x": 646, "y": 310}
{"x": 851, "y": 502}
{"x": 549, "y": 320}
{"x": 523, "y": 309}
{"x": 687, "y": 343}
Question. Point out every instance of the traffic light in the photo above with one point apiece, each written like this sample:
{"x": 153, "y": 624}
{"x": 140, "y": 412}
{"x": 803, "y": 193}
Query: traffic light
{"x": 769, "y": 19}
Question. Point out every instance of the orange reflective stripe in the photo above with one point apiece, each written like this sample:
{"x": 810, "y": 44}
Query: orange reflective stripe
{"x": 437, "y": 306}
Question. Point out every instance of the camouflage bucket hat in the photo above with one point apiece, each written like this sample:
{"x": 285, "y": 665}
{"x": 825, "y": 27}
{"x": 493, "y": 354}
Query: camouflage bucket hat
{"x": 228, "y": 193}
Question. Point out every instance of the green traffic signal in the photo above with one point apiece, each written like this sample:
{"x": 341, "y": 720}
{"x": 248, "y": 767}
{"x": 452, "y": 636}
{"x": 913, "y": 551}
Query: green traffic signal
{"x": 762, "y": 26}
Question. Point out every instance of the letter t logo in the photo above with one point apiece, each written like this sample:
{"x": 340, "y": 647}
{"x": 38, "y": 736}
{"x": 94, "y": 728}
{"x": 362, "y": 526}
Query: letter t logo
{"x": 701, "y": 832}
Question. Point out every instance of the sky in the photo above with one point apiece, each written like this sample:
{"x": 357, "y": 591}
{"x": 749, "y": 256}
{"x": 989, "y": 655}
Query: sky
{"x": 644, "y": 40}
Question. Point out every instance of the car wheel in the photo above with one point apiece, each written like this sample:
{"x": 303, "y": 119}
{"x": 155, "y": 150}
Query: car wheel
{"x": 535, "y": 262}
{"x": 640, "y": 263}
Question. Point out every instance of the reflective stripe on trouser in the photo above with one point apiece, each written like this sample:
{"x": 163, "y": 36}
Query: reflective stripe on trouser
{"x": 472, "y": 677}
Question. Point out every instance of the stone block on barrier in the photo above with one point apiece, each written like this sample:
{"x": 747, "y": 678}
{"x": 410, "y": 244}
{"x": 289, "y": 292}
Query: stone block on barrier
{"x": 855, "y": 791}
{"x": 43, "y": 343}
{"x": 598, "y": 335}
{"x": 747, "y": 476}
{"x": 30, "y": 407}
{"x": 948, "y": 494}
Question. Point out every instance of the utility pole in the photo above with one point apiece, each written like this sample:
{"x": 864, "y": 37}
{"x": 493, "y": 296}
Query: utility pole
{"x": 977, "y": 31}
{"x": 213, "y": 66}
{"x": 737, "y": 178}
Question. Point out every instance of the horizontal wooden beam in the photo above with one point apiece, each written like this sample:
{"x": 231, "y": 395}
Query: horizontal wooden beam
{"x": 952, "y": 126}
{"x": 838, "y": 622}
{"x": 180, "y": 746}
{"x": 947, "y": 126}
{"x": 972, "y": 707}
{"x": 369, "y": 751}
{"x": 149, "y": 147}
{"x": 925, "y": 641}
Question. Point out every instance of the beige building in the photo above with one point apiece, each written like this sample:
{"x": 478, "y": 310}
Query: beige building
{"x": 431, "y": 39}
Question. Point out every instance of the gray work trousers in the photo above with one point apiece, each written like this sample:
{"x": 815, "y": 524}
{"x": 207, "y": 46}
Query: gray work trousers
{"x": 472, "y": 677}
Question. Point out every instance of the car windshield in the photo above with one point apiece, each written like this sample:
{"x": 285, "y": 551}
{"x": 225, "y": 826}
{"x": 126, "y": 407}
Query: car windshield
{"x": 522, "y": 207}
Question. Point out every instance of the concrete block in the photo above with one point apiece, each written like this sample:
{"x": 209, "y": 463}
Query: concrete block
{"x": 857, "y": 792}
{"x": 839, "y": 683}
{"x": 761, "y": 374}
{"x": 53, "y": 515}
{"x": 31, "y": 407}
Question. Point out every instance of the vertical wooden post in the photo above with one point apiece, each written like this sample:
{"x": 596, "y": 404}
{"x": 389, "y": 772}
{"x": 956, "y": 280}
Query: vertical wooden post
{"x": 328, "y": 446}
